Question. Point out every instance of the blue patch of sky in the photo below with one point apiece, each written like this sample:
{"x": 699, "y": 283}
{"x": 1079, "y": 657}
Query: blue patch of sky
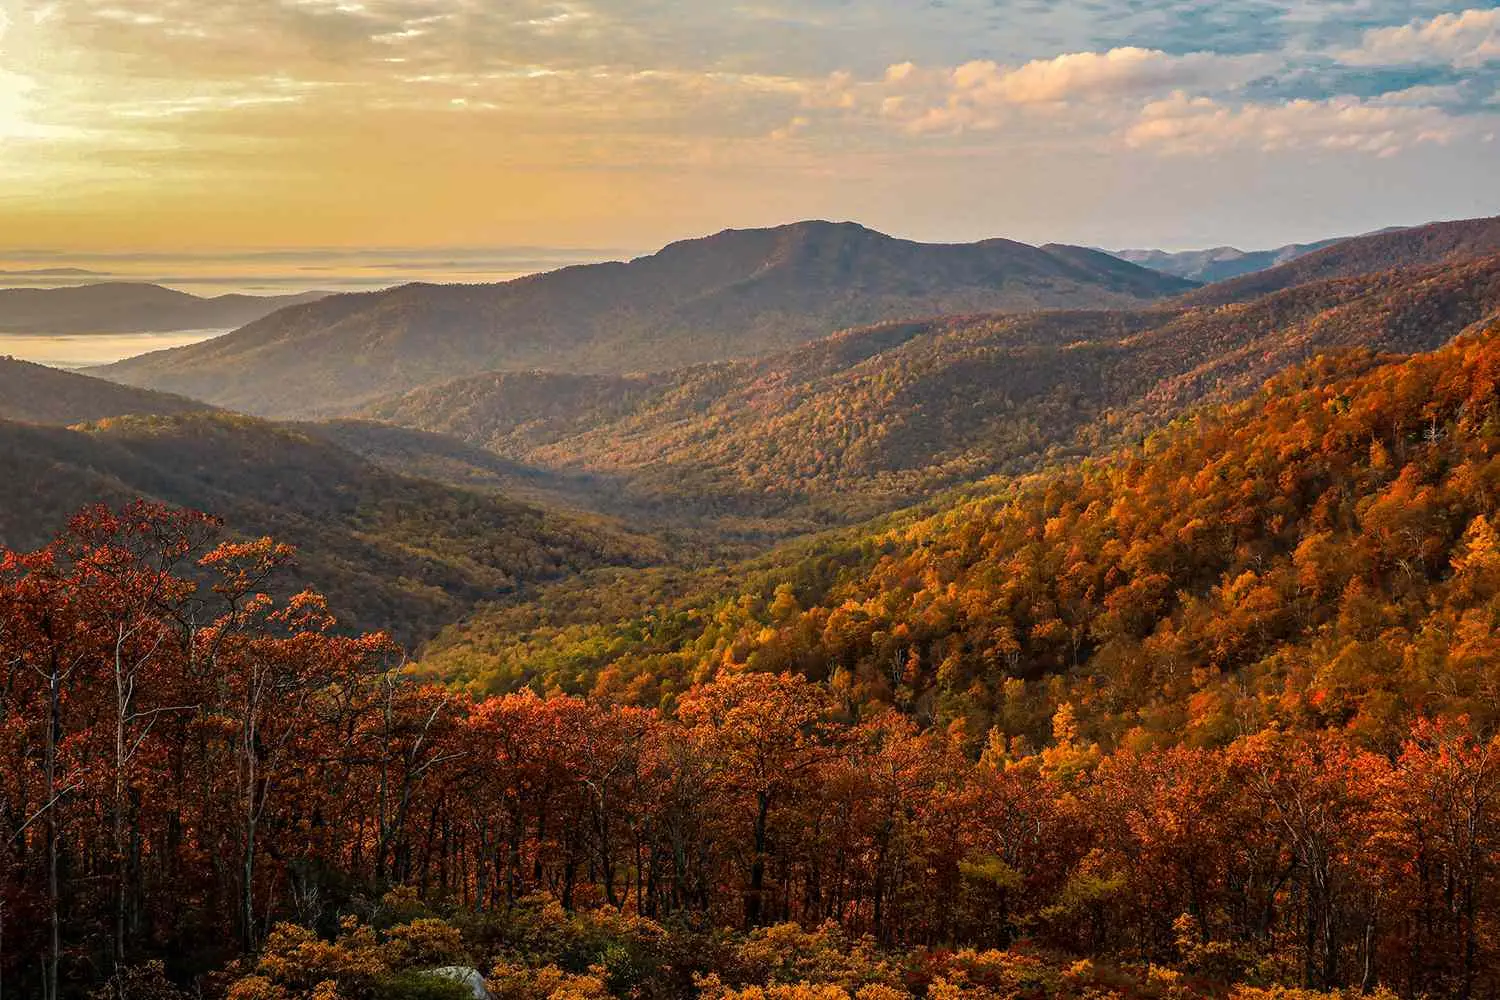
{"x": 865, "y": 37}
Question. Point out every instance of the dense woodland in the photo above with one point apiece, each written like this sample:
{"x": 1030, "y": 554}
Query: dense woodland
{"x": 188, "y": 778}
{"x": 869, "y": 420}
{"x": 390, "y": 550}
{"x": 1080, "y": 655}
{"x": 1321, "y": 514}
{"x": 1218, "y": 710}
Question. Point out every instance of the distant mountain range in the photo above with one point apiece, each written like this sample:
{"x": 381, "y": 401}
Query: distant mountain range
{"x": 735, "y": 295}
{"x": 52, "y": 272}
{"x": 1220, "y": 263}
{"x": 1223, "y": 263}
{"x": 873, "y": 419}
{"x": 700, "y": 394}
{"x": 1438, "y": 243}
{"x": 131, "y": 307}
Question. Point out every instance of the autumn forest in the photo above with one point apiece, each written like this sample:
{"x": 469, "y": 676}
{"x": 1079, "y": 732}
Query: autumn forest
{"x": 1137, "y": 644}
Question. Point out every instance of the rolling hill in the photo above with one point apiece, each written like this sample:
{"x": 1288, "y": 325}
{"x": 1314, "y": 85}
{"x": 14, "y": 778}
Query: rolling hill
{"x": 868, "y": 420}
{"x": 131, "y": 307}
{"x": 391, "y": 551}
{"x": 735, "y": 295}
{"x": 40, "y": 395}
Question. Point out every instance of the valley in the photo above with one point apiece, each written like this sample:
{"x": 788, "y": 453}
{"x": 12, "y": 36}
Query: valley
{"x": 1039, "y": 531}
{"x": 632, "y": 500}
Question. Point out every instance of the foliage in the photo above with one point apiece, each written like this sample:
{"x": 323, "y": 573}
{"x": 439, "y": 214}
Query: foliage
{"x": 863, "y": 422}
{"x": 390, "y": 549}
{"x": 153, "y": 732}
{"x": 360, "y": 964}
{"x": 1319, "y": 555}
{"x": 1214, "y": 717}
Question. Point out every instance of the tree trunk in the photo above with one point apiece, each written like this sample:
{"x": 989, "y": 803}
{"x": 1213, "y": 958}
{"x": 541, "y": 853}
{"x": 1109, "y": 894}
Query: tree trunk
{"x": 753, "y": 899}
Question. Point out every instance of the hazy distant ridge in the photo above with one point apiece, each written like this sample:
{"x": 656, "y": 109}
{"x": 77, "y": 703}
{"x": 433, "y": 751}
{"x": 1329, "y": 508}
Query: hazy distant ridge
{"x": 130, "y": 307}
{"x": 1219, "y": 263}
{"x": 741, "y": 293}
{"x": 1438, "y": 243}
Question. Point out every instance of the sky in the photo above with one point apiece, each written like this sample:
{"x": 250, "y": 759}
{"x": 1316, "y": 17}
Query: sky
{"x": 178, "y": 125}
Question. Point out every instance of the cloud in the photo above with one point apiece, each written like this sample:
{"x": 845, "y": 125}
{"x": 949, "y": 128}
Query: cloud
{"x": 1083, "y": 75}
{"x": 18, "y": 100}
{"x": 1424, "y": 95}
{"x": 983, "y": 95}
{"x": 185, "y": 102}
{"x": 1467, "y": 39}
{"x": 1203, "y": 126}
{"x": 15, "y": 101}
{"x": 1202, "y": 104}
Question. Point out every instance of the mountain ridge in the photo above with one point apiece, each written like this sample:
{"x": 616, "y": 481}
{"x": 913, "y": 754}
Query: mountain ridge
{"x": 1344, "y": 499}
{"x": 394, "y": 552}
{"x": 131, "y": 307}
{"x": 1220, "y": 263}
{"x": 32, "y": 393}
{"x": 738, "y": 293}
{"x": 868, "y": 419}
{"x": 1419, "y": 246}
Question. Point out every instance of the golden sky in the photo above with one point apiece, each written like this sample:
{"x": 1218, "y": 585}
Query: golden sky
{"x": 149, "y": 124}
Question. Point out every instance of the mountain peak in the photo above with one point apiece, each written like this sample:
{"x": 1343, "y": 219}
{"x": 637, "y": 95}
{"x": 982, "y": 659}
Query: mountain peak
{"x": 736, "y": 294}
{"x": 757, "y": 239}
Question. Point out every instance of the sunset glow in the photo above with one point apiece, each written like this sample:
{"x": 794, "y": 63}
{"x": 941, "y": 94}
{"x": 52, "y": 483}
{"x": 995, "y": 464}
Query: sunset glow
{"x": 139, "y": 123}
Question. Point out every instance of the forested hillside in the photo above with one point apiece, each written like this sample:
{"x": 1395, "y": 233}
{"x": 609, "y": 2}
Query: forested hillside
{"x": 735, "y": 295}
{"x": 1177, "y": 683}
{"x": 1210, "y": 719}
{"x": 788, "y": 613}
{"x": 1308, "y": 557}
{"x": 869, "y": 420}
{"x": 1420, "y": 246}
{"x": 40, "y": 395}
{"x": 392, "y": 551}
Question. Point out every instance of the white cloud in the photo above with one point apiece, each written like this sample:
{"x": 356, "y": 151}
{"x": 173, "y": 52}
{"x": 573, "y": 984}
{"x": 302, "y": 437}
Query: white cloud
{"x": 1083, "y": 75}
{"x": 1203, "y": 126}
{"x": 984, "y": 95}
{"x": 1425, "y": 95}
{"x": 1467, "y": 39}
{"x": 1144, "y": 99}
